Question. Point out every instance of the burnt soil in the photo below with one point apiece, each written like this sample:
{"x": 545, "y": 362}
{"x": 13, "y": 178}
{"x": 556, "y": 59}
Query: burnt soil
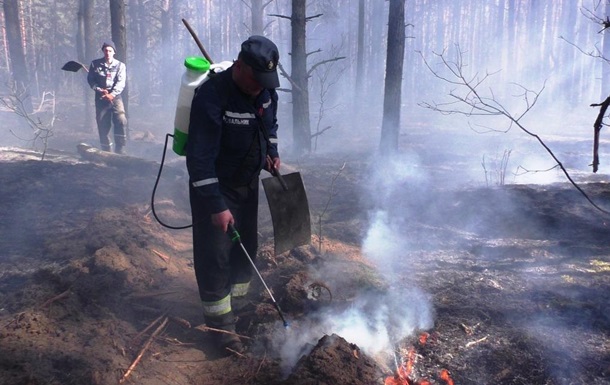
{"x": 516, "y": 276}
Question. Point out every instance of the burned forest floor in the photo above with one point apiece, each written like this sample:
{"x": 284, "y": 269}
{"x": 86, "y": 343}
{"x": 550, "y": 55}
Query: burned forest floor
{"x": 407, "y": 280}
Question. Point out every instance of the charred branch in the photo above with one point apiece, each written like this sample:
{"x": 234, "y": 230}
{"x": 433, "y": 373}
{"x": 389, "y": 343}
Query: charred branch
{"x": 597, "y": 126}
{"x": 289, "y": 78}
{"x": 469, "y": 98}
{"x": 589, "y": 14}
{"x": 313, "y": 68}
{"x": 143, "y": 350}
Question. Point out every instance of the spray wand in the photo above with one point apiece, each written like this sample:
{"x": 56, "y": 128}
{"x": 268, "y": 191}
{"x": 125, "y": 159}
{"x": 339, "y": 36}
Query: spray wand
{"x": 235, "y": 237}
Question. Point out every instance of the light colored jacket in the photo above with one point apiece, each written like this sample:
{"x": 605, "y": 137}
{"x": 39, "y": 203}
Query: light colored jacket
{"x": 106, "y": 76}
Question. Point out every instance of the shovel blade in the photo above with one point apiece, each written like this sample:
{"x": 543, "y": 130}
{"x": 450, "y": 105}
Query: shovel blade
{"x": 289, "y": 212}
{"x": 73, "y": 66}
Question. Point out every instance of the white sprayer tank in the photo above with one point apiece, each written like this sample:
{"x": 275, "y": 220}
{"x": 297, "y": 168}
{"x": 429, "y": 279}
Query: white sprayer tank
{"x": 196, "y": 73}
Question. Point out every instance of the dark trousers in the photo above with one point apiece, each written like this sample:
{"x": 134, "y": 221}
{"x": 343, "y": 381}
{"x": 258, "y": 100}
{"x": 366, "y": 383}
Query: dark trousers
{"x": 219, "y": 262}
{"x": 107, "y": 114}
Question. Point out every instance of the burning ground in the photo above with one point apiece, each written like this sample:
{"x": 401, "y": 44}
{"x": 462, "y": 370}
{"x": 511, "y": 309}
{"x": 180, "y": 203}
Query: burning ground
{"x": 410, "y": 283}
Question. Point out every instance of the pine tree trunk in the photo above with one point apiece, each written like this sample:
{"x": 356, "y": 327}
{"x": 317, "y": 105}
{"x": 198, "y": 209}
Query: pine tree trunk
{"x": 17, "y": 53}
{"x": 390, "y": 127}
{"x": 300, "y": 92}
{"x": 119, "y": 37}
{"x": 606, "y": 54}
{"x": 257, "y": 17}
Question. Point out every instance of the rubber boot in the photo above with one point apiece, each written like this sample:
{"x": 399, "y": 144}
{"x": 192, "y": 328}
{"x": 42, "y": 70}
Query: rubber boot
{"x": 239, "y": 304}
{"x": 225, "y": 322}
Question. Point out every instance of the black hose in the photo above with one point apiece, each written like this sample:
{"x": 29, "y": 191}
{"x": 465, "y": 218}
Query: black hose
{"x": 152, "y": 198}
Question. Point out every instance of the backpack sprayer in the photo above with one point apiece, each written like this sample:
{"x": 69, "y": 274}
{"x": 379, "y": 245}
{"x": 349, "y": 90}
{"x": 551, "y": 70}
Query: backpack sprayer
{"x": 197, "y": 71}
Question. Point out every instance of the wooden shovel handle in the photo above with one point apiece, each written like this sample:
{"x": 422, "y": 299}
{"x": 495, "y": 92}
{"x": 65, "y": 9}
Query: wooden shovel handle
{"x": 194, "y": 35}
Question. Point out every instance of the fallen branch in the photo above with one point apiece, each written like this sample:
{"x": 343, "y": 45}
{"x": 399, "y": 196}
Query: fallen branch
{"x": 204, "y": 328}
{"x": 146, "y": 329}
{"x": 469, "y": 329}
{"x": 17, "y": 317}
{"x": 160, "y": 255}
{"x": 260, "y": 365}
{"x": 236, "y": 353}
{"x": 181, "y": 321}
{"x": 471, "y": 343}
{"x": 58, "y": 297}
{"x": 142, "y": 351}
{"x": 155, "y": 294}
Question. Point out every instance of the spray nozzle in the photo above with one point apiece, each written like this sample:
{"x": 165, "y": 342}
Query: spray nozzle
{"x": 233, "y": 234}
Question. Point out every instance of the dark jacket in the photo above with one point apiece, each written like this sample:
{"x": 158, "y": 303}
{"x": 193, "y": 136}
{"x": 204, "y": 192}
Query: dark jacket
{"x": 226, "y": 144}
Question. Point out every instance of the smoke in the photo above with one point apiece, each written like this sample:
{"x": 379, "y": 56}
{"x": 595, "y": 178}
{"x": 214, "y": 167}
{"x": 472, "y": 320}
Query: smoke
{"x": 376, "y": 320}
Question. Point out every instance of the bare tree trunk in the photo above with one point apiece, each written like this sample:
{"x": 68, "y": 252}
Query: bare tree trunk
{"x": 606, "y": 54}
{"x": 141, "y": 78}
{"x": 360, "y": 60}
{"x": 18, "y": 66}
{"x": 256, "y": 8}
{"x": 390, "y": 127}
{"x": 300, "y": 91}
{"x": 119, "y": 37}
{"x": 85, "y": 53}
{"x": 166, "y": 41}
{"x": 91, "y": 48}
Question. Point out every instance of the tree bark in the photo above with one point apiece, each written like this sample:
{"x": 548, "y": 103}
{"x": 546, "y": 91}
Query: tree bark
{"x": 18, "y": 65}
{"x": 256, "y": 8}
{"x": 360, "y": 60}
{"x": 140, "y": 32}
{"x": 605, "y": 90}
{"x": 85, "y": 53}
{"x": 119, "y": 37}
{"x": 390, "y": 127}
{"x": 300, "y": 92}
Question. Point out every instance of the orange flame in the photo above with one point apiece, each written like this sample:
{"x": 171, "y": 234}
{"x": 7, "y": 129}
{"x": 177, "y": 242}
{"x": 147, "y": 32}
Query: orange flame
{"x": 404, "y": 370}
{"x": 423, "y": 338}
{"x": 445, "y": 376}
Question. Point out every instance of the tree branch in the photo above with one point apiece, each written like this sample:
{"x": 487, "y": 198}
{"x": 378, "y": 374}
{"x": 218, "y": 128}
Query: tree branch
{"x": 313, "y": 68}
{"x": 469, "y": 100}
{"x": 308, "y": 18}
{"x": 281, "y": 16}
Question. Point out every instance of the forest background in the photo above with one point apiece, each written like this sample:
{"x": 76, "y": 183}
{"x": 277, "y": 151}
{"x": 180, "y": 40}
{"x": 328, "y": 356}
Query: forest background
{"x": 556, "y": 45}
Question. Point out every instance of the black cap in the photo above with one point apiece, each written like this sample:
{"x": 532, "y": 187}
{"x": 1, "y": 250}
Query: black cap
{"x": 110, "y": 44}
{"x": 261, "y": 54}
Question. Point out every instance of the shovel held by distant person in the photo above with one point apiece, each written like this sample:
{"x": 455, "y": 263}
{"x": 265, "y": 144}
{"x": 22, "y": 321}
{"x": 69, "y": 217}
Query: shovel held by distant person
{"x": 74, "y": 66}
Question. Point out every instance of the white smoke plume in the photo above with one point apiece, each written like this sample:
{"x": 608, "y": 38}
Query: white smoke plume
{"x": 375, "y": 321}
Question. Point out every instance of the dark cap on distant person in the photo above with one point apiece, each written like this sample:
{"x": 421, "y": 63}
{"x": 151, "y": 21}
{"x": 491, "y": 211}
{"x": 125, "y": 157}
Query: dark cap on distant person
{"x": 262, "y": 55}
{"x": 108, "y": 44}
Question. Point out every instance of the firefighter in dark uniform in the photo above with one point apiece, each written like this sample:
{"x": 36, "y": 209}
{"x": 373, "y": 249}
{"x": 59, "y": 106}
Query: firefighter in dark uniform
{"x": 232, "y": 137}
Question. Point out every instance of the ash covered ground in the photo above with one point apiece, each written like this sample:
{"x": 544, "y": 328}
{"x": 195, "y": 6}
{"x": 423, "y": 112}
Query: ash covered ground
{"x": 408, "y": 279}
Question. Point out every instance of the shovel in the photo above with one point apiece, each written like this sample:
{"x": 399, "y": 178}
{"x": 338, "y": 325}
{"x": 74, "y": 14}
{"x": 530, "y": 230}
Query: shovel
{"x": 74, "y": 66}
{"x": 289, "y": 210}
